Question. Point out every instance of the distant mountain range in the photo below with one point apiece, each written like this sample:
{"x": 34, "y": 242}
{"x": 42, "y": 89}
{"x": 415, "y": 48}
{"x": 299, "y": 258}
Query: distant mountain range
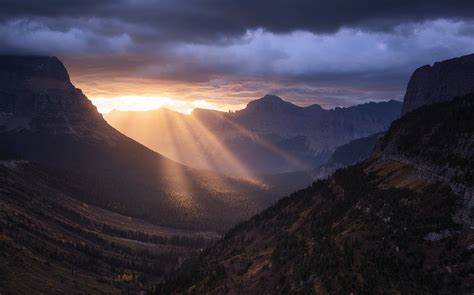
{"x": 269, "y": 136}
{"x": 399, "y": 222}
{"x": 46, "y": 120}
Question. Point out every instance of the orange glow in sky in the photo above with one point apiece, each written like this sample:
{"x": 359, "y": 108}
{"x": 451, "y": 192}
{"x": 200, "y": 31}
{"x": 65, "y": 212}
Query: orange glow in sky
{"x": 145, "y": 103}
{"x": 142, "y": 95}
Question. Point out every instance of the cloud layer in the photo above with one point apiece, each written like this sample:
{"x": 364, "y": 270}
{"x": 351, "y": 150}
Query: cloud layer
{"x": 333, "y": 53}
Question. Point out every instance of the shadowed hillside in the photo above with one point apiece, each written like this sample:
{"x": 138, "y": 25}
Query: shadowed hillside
{"x": 399, "y": 222}
{"x": 51, "y": 243}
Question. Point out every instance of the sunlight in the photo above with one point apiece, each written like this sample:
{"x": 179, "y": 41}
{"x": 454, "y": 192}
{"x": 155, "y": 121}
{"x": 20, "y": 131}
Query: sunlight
{"x": 146, "y": 103}
{"x": 268, "y": 145}
{"x": 187, "y": 140}
{"x": 220, "y": 148}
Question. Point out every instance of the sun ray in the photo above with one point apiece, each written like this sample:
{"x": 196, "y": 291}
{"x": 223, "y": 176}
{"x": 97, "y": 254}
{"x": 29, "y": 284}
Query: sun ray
{"x": 226, "y": 154}
{"x": 178, "y": 184}
{"x": 268, "y": 145}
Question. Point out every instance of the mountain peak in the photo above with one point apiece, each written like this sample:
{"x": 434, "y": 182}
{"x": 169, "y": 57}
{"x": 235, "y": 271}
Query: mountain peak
{"x": 14, "y": 67}
{"x": 36, "y": 94}
{"x": 270, "y": 103}
{"x": 271, "y": 98}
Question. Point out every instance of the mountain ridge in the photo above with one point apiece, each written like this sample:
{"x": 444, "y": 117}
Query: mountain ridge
{"x": 269, "y": 136}
{"x": 439, "y": 82}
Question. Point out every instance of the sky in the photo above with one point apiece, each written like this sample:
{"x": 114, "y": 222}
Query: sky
{"x": 143, "y": 54}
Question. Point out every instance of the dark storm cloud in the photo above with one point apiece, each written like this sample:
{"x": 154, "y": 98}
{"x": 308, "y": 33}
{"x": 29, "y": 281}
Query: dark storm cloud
{"x": 333, "y": 51}
{"x": 204, "y": 20}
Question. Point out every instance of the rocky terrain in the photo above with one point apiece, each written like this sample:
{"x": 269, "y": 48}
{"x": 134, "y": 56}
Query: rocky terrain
{"x": 440, "y": 82}
{"x": 269, "y": 136}
{"x": 399, "y": 222}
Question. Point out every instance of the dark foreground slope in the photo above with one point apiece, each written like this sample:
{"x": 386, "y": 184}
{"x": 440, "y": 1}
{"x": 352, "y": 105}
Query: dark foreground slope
{"x": 399, "y": 222}
{"x": 45, "y": 119}
{"x": 50, "y": 243}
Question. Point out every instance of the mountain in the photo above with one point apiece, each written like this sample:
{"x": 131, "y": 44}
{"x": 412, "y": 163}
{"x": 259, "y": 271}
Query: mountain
{"x": 46, "y": 120}
{"x": 269, "y": 136}
{"x": 348, "y": 154}
{"x": 440, "y": 82}
{"x": 355, "y": 151}
{"x": 51, "y": 243}
{"x": 399, "y": 222}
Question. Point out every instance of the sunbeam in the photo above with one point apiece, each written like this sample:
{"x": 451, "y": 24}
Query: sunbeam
{"x": 266, "y": 144}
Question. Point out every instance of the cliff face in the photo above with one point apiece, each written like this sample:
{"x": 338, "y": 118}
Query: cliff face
{"x": 441, "y": 82}
{"x": 28, "y": 67}
{"x": 37, "y": 95}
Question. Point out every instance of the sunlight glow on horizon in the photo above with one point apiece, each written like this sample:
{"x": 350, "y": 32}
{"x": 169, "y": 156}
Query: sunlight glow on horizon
{"x": 147, "y": 103}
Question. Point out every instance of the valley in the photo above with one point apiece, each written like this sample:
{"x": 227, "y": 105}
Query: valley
{"x": 275, "y": 198}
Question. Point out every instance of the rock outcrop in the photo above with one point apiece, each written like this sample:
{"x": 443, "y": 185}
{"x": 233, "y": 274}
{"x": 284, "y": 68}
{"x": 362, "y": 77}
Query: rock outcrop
{"x": 441, "y": 82}
{"x": 37, "y": 95}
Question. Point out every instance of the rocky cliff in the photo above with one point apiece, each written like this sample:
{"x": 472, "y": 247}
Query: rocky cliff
{"x": 37, "y": 95}
{"x": 441, "y": 82}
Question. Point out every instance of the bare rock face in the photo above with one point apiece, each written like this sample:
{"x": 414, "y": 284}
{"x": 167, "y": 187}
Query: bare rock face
{"x": 37, "y": 95}
{"x": 441, "y": 82}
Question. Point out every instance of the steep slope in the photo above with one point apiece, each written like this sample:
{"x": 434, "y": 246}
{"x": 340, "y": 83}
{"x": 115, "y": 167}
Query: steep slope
{"x": 45, "y": 119}
{"x": 50, "y": 243}
{"x": 348, "y": 154}
{"x": 399, "y": 222}
{"x": 269, "y": 136}
{"x": 441, "y": 82}
{"x": 355, "y": 151}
